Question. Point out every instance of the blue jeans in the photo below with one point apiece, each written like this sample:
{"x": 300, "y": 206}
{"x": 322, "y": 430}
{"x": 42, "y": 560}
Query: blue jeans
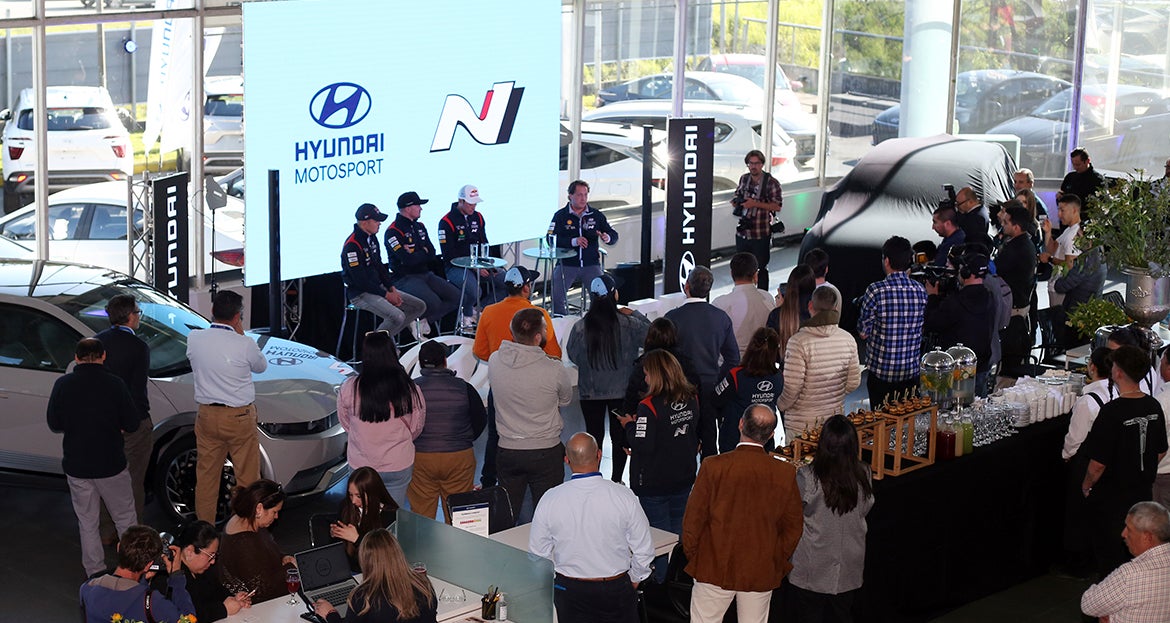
{"x": 664, "y": 512}
{"x": 396, "y": 483}
{"x": 492, "y": 289}
{"x": 564, "y": 276}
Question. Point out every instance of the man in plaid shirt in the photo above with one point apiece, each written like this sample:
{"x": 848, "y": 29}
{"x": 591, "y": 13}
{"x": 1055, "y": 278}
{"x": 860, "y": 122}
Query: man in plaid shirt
{"x": 892, "y": 312}
{"x": 757, "y": 197}
{"x": 1138, "y": 591}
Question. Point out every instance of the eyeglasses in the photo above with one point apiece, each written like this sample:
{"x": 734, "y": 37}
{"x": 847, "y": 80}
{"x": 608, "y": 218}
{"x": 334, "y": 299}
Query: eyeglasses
{"x": 211, "y": 556}
{"x": 378, "y": 332}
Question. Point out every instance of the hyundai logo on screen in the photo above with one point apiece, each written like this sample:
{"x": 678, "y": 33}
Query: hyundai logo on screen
{"x": 340, "y": 105}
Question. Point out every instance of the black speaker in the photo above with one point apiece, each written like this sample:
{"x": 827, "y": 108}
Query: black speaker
{"x": 635, "y": 281}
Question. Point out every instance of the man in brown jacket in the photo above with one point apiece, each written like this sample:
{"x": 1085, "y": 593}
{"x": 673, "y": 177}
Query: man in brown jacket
{"x": 738, "y": 548}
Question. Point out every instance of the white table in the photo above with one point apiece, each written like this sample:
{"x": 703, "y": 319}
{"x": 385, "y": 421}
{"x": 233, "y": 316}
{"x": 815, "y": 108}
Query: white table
{"x": 517, "y": 537}
{"x": 277, "y": 611}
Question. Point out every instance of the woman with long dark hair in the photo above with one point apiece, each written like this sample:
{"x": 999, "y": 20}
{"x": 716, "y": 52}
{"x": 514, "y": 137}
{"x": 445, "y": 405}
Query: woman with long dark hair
{"x": 661, "y": 335}
{"x": 390, "y": 592}
{"x": 367, "y": 506}
{"x": 604, "y": 345}
{"x": 786, "y": 318}
{"x": 249, "y": 559}
{"x": 664, "y": 443}
{"x": 198, "y": 544}
{"x": 383, "y": 412}
{"x": 837, "y": 494}
{"x": 757, "y": 379}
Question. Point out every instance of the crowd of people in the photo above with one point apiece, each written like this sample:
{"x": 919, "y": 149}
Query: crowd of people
{"x": 696, "y": 400}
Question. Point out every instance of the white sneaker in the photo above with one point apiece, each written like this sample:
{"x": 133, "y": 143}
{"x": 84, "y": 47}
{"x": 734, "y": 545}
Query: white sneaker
{"x": 426, "y": 329}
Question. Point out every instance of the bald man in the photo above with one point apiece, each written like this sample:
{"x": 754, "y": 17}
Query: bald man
{"x": 599, "y": 562}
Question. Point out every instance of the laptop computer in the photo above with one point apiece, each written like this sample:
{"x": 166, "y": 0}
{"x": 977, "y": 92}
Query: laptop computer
{"x": 325, "y": 575}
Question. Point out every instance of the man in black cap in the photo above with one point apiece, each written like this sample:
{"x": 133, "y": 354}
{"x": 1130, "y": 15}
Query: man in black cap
{"x": 368, "y": 281}
{"x": 413, "y": 259}
{"x": 444, "y": 460}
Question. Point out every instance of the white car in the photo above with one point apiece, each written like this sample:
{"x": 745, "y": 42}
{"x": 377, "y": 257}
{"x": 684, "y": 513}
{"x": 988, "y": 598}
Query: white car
{"x": 88, "y": 224}
{"x": 11, "y": 249}
{"x": 223, "y": 124}
{"x": 46, "y": 307}
{"x": 87, "y": 142}
{"x": 611, "y": 163}
{"x": 737, "y": 131}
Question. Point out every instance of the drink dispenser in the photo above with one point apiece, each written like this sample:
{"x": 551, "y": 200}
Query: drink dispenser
{"x": 966, "y": 363}
{"x": 937, "y": 380}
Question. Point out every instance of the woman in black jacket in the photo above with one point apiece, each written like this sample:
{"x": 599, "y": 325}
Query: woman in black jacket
{"x": 198, "y": 544}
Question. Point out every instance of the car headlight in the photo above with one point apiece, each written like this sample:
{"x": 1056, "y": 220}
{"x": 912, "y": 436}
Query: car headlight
{"x": 296, "y": 429}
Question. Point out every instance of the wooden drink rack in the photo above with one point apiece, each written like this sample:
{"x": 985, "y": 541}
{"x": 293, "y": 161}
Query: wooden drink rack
{"x": 895, "y": 422}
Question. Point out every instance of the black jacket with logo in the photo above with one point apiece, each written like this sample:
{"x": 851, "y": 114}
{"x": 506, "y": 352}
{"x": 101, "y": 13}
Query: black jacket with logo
{"x": 566, "y": 226}
{"x": 408, "y": 247}
{"x": 361, "y": 265}
{"x": 458, "y": 231}
{"x": 664, "y": 441}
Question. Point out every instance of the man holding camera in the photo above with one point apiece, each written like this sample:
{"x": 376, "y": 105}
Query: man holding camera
{"x": 967, "y": 316}
{"x": 123, "y": 593}
{"x": 757, "y": 198}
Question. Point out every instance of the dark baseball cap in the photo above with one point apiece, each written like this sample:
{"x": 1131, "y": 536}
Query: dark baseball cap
{"x": 369, "y": 211}
{"x": 409, "y": 199}
{"x": 518, "y": 276}
{"x": 432, "y": 354}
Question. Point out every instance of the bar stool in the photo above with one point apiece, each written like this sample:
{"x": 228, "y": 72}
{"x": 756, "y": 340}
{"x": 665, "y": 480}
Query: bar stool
{"x": 348, "y": 309}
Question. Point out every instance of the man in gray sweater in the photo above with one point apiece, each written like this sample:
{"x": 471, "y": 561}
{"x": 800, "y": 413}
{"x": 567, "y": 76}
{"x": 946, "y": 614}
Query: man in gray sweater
{"x": 529, "y": 388}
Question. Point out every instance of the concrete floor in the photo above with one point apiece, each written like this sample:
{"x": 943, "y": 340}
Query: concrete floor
{"x": 40, "y": 569}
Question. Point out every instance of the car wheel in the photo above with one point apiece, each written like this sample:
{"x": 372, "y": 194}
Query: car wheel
{"x": 175, "y": 481}
{"x": 11, "y": 202}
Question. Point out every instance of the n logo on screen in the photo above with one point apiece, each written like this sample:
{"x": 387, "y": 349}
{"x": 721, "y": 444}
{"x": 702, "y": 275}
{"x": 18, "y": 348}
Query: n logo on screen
{"x": 340, "y": 105}
{"x": 491, "y": 125}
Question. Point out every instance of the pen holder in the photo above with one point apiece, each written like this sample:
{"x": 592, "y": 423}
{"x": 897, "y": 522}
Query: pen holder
{"x": 488, "y": 608}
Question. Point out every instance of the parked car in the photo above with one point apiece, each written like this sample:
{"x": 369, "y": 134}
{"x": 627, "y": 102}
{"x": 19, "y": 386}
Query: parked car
{"x": 737, "y": 131}
{"x": 46, "y": 307}
{"x": 88, "y": 224}
{"x": 983, "y": 98}
{"x": 893, "y": 190}
{"x": 611, "y": 163}
{"x": 12, "y": 249}
{"x": 223, "y": 124}
{"x": 87, "y": 142}
{"x": 700, "y": 85}
{"x": 1043, "y": 132}
{"x": 233, "y": 183}
{"x": 752, "y": 67}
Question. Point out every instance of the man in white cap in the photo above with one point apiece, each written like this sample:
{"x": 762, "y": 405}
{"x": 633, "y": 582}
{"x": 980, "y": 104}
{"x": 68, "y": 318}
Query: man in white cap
{"x": 459, "y": 230}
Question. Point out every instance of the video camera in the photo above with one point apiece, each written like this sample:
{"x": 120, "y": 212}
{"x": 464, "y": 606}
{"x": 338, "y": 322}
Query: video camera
{"x": 165, "y": 556}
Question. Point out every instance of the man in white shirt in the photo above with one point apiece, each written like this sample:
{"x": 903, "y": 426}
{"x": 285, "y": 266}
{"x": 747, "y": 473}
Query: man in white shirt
{"x": 746, "y": 305}
{"x": 598, "y": 562}
{"x": 1137, "y": 591}
{"x": 1162, "y": 480}
{"x": 223, "y": 360}
{"x": 1063, "y": 250}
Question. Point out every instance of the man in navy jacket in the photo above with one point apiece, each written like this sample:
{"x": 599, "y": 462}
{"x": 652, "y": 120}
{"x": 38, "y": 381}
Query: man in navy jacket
{"x": 580, "y": 228}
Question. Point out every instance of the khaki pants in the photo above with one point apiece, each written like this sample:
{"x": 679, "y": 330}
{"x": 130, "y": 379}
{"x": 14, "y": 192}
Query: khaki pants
{"x": 437, "y": 475}
{"x": 709, "y": 603}
{"x": 221, "y": 432}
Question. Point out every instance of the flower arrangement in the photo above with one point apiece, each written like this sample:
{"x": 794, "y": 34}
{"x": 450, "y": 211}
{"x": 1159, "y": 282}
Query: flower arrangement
{"x": 1093, "y": 314}
{"x": 1129, "y": 220}
{"x": 118, "y": 618}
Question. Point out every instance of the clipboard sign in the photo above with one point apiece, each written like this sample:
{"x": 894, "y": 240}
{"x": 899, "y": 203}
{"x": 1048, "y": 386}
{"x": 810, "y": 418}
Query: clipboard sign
{"x": 471, "y": 517}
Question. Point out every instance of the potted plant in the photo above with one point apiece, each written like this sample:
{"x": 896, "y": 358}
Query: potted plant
{"x": 1130, "y": 222}
{"x": 1094, "y": 313}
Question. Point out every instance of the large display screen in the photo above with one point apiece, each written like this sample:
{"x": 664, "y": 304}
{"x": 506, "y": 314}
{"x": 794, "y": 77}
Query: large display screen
{"x": 354, "y": 101}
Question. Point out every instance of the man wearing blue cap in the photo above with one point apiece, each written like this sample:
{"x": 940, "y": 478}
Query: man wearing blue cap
{"x": 368, "y": 281}
{"x": 412, "y": 257}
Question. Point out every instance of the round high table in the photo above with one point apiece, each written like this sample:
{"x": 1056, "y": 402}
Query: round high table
{"x": 475, "y": 264}
{"x": 547, "y": 257}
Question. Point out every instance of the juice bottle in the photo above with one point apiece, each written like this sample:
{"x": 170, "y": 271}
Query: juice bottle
{"x": 968, "y": 434}
{"x": 945, "y": 443}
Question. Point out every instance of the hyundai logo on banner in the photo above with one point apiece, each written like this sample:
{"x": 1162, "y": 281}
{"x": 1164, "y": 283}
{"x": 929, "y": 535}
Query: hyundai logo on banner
{"x": 340, "y": 105}
{"x": 492, "y": 125}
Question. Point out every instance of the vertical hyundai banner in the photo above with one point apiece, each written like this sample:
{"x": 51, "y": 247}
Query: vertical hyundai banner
{"x": 688, "y": 199}
{"x": 171, "y": 270}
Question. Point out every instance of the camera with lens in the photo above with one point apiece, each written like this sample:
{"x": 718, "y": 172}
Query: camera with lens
{"x": 924, "y": 270}
{"x": 737, "y": 208}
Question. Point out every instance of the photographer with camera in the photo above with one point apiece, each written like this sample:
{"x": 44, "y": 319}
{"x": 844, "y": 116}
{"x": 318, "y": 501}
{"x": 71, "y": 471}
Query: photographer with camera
{"x": 945, "y": 223}
{"x": 966, "y": 316}
{"x": 757, "y": 199}
{"x": 123, "y": 592}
